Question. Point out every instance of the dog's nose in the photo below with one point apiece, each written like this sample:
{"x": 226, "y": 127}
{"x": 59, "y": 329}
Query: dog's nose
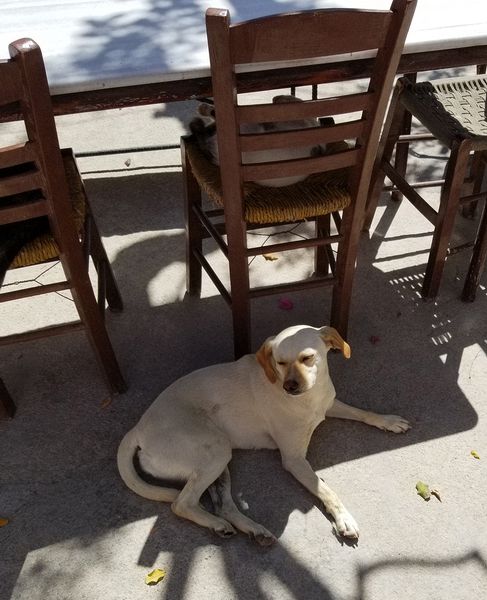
{"x": 291, "y": 386}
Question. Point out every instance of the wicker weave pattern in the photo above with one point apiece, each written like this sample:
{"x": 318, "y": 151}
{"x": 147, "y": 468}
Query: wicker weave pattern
{"x": 44, "y": 247}
{"x": 318, "y": 194}
{"x": 457, "y": 105}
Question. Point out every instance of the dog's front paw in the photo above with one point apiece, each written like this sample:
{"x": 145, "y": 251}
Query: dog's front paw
{"x": 346, "y": 525}
{"x": 392, "y": 423}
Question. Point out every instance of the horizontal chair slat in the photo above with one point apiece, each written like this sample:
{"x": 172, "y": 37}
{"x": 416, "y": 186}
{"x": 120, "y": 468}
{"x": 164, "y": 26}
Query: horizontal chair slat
{"x": 303, "y": 166}
{"x": 289, "y": 37}
{"x": 303, "y": 137}
{"x": 289, "y": 111}
{"x": 17, "y": 184}
{"x": 28, "y": 210}
{"x": 16, "y": 155}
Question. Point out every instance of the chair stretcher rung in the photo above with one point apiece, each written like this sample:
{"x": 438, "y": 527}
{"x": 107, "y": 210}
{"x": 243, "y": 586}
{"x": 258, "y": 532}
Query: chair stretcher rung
{"x": 292, "y": 286}
{"x": 311, "y": 242}
{"x": 35, "y": 291}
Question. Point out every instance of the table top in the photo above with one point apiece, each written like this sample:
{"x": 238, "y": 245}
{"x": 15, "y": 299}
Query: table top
{"x": 99, "y": 44}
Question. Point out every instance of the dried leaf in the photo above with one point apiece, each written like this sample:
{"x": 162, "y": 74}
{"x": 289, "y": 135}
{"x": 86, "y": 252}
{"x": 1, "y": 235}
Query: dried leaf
{"x": 3, "y": 522}
{"x": 155, "y": 576}
{"x": 128, "y": 162}
{"x": 106, "y": 402}
{"x": 436, "y": 494}
{"x": 475, "y": 454}
{"x": 423, "y": 490}
{"x": 270, "y": 256}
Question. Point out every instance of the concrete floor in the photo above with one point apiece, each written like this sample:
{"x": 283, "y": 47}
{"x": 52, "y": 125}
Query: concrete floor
{"x": 75, "y": 532}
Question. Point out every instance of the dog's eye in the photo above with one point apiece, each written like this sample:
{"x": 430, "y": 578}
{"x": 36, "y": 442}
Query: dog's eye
{"x": 282, "y": 363}
{"x": 308, "y": 358}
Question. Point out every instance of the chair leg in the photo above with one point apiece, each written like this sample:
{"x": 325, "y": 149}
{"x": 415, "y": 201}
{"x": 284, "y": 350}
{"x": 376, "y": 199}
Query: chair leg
{"x": 402, "y": 152}
{"x": 107, "y": 284}
{"x": 449, "y": 200}
{"x": 76, "y": 272}
{"x": 323, "y": 254}
{"x": 393, "y": 127}
{"x": 239, "y": 285}
{"x": 477, "y": 262}
{"x": 95, "y": 328}
{"x": 345, "y": 267}
{"x": 7, "y": 405}
{"x": 402, "y": 149}
{"x": 477, "y": 172}
{"x": 194, "y": 238}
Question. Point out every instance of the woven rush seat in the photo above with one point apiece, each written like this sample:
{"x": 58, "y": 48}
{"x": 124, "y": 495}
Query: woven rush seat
{"x": 44, "y": 247}
{"x": 450, "y": 108}
{"x": 318, "y": 194}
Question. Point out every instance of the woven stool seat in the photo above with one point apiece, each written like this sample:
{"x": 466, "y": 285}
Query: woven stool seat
{"x": 450, "y": 108}
{"x": 44, "y": 247}
{"x": 318, "y": 194}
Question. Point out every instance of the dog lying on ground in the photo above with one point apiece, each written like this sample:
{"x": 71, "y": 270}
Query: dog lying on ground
{"x": 272, "y": 399}
{"x": 205, "y": 133}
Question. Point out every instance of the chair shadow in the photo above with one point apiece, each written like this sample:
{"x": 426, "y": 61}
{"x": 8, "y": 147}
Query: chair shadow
{"x": 439, "y": 576}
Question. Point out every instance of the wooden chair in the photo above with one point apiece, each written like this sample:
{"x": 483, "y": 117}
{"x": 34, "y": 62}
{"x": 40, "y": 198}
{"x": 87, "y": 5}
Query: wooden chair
{"x": 337, "y": 181}
{"x": 453, "y": 112}
{"x": 43, "y": 204}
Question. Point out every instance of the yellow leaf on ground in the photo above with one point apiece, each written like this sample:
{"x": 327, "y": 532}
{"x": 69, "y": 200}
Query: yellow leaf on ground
{"x": 3, "y": 522}
{"x": 475, "y": 454}
{"x": 155, "y": 576}
{"x": 423, "y": 490}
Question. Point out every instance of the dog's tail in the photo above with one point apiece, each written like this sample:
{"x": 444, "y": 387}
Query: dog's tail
{"x": 128, "y": 473}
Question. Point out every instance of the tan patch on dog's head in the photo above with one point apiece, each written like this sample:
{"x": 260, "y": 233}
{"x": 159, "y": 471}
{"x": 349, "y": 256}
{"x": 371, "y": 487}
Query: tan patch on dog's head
{"x": 333, "y": 339}
{"x": 263, "y": 356}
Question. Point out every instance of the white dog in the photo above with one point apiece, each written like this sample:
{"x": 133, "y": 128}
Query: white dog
{"x": 272, "y": 399}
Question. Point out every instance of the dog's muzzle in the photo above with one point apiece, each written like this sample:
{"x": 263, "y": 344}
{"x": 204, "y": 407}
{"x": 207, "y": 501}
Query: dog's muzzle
{"x": 291, "y": 386}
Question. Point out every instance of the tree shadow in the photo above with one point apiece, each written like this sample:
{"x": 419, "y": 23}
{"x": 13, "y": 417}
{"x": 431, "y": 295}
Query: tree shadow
{"x": 167, "y": 37}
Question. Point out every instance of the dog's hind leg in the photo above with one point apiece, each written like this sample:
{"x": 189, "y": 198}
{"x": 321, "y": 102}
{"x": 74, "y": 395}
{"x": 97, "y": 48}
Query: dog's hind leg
{"x": 210, "y": 466}
{"x": 221, "y": 496}
{"x": 340, "y": 410}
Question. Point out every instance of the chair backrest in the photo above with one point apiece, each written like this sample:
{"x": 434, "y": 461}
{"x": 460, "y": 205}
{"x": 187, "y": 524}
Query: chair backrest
{"x": 32, "y": 177}
{"x": 320, "y": 36}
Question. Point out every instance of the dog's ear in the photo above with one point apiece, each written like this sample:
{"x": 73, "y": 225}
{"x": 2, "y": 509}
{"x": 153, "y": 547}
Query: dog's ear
{"x": 333, "y": 339}
{"x": 263, "y": 356}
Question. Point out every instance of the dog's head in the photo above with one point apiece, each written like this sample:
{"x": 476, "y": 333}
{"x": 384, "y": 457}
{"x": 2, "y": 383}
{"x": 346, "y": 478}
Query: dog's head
{"x": 297, "y": 356}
